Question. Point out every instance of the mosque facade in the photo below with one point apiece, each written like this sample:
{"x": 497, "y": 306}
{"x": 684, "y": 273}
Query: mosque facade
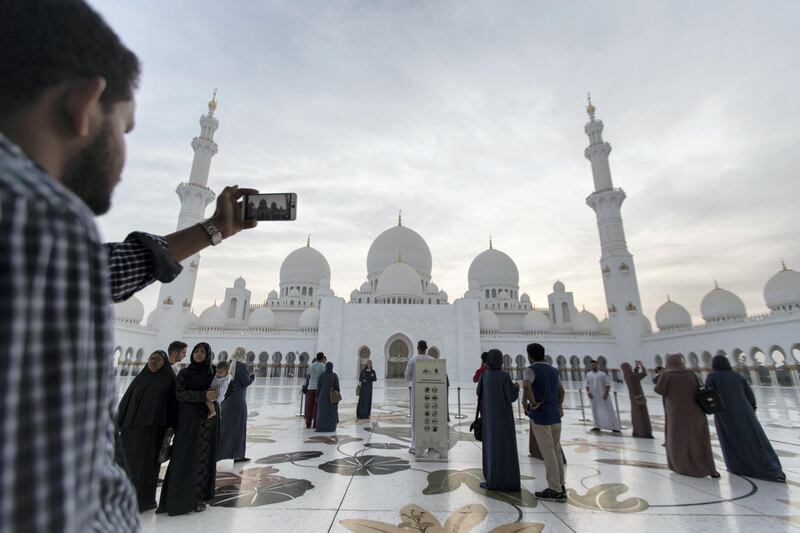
{"x": 399, "y": 303}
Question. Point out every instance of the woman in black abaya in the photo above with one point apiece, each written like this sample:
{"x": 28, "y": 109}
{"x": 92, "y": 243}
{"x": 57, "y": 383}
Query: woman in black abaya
{"x": 745, "y": 447}
{"x": 145, "y": 413}
{"x": 327, "y": 411}
{"x": 233, "y": 424}
{"x": 365, "y": 393}
{"x": 496, "y": 394}
{"x": 189, "y": 482}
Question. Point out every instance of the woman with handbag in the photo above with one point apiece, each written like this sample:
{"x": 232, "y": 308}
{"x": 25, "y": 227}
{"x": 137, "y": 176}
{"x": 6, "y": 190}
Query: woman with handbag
{"x": 686, "y": 430}
{"x": 745, "y": 447}
{"x": 640, "y": 418}
{"x": 328, "y": 397}
{"x": 146, "y": 416}
{"x": 496, "y": 397}
{"x": 364, "y": 391}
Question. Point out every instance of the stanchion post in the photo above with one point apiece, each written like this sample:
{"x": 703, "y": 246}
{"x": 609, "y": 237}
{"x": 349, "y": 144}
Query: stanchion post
{"x": 302, "y": 405}
{"x": 459, "y": 416}
{"x": 616, "y": 403}
{"x": 409, "y": 403}
{"x": 583, "y": 412}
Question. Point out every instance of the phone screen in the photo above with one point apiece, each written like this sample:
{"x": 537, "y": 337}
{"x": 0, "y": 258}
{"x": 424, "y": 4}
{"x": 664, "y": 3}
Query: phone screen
{"x": 273, "y": 206}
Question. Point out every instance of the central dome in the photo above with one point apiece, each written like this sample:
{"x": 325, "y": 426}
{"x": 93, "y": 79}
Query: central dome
{"x": 720, "y": 304}
{"x": 305, "y": 265}
{"x": 399, "y": 279}
{"x": 494, "y": 268}
{"x": 407, "y": 244}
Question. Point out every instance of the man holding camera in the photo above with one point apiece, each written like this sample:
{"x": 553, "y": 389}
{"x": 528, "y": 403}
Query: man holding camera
{"x": 66, "y": 102}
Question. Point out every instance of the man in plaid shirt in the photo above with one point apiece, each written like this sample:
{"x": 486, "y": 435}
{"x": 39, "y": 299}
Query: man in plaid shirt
{"x": 66, "y": 102}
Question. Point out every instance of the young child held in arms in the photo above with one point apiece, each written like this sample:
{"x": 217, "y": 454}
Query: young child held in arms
{"x": 219, "y": 384}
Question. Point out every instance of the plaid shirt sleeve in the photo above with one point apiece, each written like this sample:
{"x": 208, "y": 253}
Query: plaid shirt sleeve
{"x": 138, "y": 262}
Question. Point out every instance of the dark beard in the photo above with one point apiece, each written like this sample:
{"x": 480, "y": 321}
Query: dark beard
{"x": 94, "y": 172}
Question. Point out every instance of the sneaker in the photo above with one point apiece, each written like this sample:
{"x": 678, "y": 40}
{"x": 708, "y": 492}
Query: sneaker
{"x": 595, "y": 429}
{"x": 412, "y": 451}
{"x": 616, "y": 431}
{"x": 242, "y": 460}
{"x": 551, "y": 495}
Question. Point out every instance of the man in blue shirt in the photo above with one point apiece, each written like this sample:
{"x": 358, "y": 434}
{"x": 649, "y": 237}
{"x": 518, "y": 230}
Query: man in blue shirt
{"x": 545, "y": 409}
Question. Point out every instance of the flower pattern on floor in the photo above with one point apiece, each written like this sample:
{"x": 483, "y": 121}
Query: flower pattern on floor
{"x": 366, "y": 465}
{"x": 256, "y": 487}
{"x": 444, "y": 481}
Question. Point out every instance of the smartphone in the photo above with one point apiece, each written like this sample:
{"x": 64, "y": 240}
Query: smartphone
{"x": 273, "y": 206}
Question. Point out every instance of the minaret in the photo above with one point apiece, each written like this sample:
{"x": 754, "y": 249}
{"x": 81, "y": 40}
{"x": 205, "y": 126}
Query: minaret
{"x": 195, "y": 197}
{"x": 616, "y": 262}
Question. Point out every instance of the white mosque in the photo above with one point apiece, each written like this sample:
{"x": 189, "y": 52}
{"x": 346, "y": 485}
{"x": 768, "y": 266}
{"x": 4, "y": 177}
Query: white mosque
{"x": 399, "y": 303}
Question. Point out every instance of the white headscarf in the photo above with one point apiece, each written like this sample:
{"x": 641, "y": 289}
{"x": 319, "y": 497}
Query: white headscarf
{"x": 239, "y": 354}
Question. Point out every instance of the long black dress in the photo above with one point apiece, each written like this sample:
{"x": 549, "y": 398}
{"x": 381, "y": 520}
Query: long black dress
{"x": 327, "y": 413}
{"x": 745, "y": 447}
{"x": 365, "y": 397}
{"x": 497, "y": 394}
{"x": 145, "y": 412}
{"x": 192, "y": 468}
{"x": 233, "y": 423}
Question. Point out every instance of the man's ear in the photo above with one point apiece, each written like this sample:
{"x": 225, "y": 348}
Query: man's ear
{"x": 82, "y": 104}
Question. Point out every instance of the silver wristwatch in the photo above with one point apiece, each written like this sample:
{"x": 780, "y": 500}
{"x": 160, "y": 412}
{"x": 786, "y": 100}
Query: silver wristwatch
{"x": 214, "y": 235}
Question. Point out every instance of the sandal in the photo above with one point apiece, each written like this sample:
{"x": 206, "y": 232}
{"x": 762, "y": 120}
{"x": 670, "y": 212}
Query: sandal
{"x": 201, "y": 506}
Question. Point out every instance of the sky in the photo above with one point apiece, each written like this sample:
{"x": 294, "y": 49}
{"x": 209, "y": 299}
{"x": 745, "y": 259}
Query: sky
{"x": 468, "y": 116}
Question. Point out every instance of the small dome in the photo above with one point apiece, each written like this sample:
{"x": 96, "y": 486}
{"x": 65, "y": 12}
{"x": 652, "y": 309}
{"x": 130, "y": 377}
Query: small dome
{"x": 672, "y": 316}
{"x": 558, "y": 286}
{"x": 131, "y": 310}
{"x": 213, "y": 317}
{"x": 605, "y": 327}
{"x": 432, "y": 288}
{"x": 402, "y": 241}
{"x": 442, "y": 296}
{"x": 305, "y": 265}
{"x": 239, "y": 283}
{"x": 493, "y": 268}
{"x": 194, "y": 320}
{"x": 295, "y": 292}
{"x": 721, "y": 304}
{"x": 399, "y": 279}
{"x": 536, "y": 322}
{"x": 366, "y": 287}
{"x": 646, "y": 327}
{"x": 261, "y": 317}
{"x": 273, "y": 295}
{"x": 309, "y": 319}
{"x": 489, "y": 321}
{"x": 355, "y": 295}
{"x": 525, "y": 298}
{"x": 783, "y": 290}
{"x": 586, "y": 322}
{"x": 503, "y": 295}
{"x": 155, "y": 317}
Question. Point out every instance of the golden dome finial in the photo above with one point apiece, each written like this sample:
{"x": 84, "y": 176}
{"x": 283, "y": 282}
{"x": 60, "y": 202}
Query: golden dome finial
{"x": 491, "y": 247}
{"x": 308, "y": 241}
{"x": 212, "y": 104}
{"x": 400, "y": 218}
{"x": 716, "y": 285}
{"x": 783, "y": 265}
{"x": 590, "y": 107}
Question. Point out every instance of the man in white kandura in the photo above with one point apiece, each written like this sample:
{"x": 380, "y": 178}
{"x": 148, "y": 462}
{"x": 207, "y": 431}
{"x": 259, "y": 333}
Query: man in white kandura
{"x": 411, "y": 370}
{"x": 598, "y": 387}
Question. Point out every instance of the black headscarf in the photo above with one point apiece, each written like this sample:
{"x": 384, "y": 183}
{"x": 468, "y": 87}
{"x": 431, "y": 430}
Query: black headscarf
{"x": 495, "y": 359}
{"x": 150, "y": 398}
{"x": 329, "y": 368}
{"x": 198, "y": 376}
{"x": 720, "y": 362}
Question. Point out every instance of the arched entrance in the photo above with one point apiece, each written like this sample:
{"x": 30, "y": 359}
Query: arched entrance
{"x": 398, "y": 352}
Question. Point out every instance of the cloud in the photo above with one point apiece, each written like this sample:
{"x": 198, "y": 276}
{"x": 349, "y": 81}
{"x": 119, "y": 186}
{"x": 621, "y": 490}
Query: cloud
{"x": 469, "y": 117}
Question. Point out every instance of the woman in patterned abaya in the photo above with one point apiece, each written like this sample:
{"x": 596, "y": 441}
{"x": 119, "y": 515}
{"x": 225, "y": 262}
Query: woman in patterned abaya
{"x": 233, "y": 423}
{"x": 496, "y": 394}
{"x": 327, "y": 411}
{"x": 365, "y": 393}
{"x": 189, "y": 482}
{"x": 745, "y": 447}
{"x": 688, "y": 441}
{"x": 640, "y": 418}
{"x": 145, "y": 413}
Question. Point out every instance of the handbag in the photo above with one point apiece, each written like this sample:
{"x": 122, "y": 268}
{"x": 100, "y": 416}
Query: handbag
{"x": 358, "y": 390}
{"x": 708, "y": 399}
{"x": 336, "y": 396}
{"x": 477, "y": 425}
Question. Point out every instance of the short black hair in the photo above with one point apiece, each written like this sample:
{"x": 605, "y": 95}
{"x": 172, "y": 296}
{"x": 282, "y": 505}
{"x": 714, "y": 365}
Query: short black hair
{"x": 422, "y": 345}
{"x": 176, "y": 346}
{"x": 47, "y": 42}
{"x": 535, "y": 351}
{"x": 320, "y": 356}
{"x": 223, "y": 365}
{"x": 485, "y": 357}
{"x": 593, "y": 361}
